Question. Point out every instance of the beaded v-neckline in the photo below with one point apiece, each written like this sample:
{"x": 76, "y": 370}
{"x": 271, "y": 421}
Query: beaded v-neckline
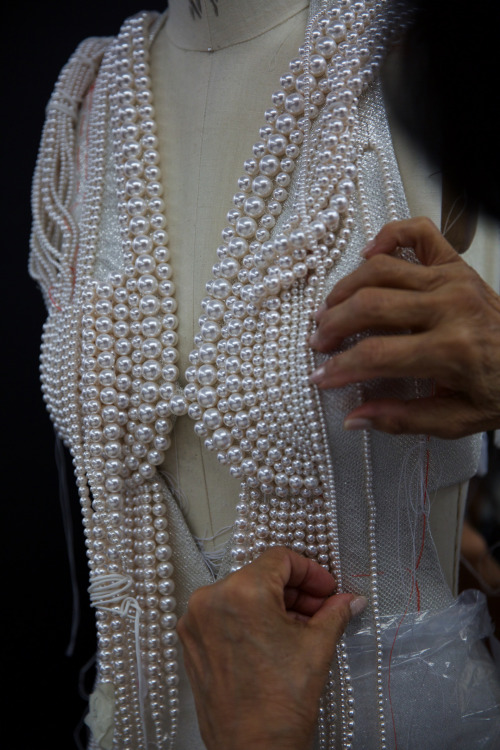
{"x": 236, "y": 262}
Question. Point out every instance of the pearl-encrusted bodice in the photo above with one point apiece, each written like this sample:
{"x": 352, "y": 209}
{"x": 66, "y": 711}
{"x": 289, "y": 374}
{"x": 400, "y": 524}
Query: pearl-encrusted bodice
{"x": 321, "y": 179}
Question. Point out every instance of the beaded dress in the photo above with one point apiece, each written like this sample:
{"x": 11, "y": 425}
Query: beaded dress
{"x": 321, "y": 181}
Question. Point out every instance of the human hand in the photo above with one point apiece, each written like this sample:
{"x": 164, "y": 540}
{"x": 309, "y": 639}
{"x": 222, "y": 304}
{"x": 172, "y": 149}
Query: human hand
{"x": 257, "y": 648}
{"x": 454, "y": 319}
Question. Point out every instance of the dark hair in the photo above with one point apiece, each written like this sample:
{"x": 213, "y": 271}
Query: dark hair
{"x": 446, "y": 92}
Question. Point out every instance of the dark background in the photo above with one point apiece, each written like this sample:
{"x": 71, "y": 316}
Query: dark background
{"x": 43, "y": 685}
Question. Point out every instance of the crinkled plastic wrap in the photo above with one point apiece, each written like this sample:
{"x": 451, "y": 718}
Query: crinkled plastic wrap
{"x": 442, "y": 688}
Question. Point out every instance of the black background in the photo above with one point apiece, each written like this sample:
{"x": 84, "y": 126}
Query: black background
{"x": 41, "y": 683}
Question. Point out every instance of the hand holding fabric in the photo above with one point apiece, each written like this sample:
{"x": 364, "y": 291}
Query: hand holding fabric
{"x": 257, "y": 647}
{"x": 448, "y": 324}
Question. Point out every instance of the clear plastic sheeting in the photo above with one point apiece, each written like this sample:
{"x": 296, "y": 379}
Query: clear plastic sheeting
{"x": 442, "y": 688}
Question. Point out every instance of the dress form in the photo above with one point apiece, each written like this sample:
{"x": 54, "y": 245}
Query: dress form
{"x": 138, "y": 506}
{"x": 212, "y": 79}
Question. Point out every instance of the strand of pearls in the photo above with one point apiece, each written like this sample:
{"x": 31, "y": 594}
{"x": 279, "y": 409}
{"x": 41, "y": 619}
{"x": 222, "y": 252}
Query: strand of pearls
{"x": 103, "y": 419}
{"x": 107, "y": 424}
{"x": 54, "y": 260}
{"x": 372, "y": 543}
{"x": 54, "y": 234}
{"x": 371, "y": 144}
{"x": 134, "y": 322}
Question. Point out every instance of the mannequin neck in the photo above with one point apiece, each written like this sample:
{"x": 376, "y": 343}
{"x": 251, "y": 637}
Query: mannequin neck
{"x": 209, "y": 25}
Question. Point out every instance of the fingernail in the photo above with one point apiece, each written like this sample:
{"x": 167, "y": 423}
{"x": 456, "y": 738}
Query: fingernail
{"x": 368, "y": 248}
{"x": 317, "y": 375}
{"x": 313, "y": 340}
{"x": 357, "y": 424}
{"x": 357, "y": 605}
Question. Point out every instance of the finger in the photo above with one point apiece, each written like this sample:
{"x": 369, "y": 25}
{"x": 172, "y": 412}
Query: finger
{"x": 333, "y": 617}
{"x": 447, "y": 417}
{"x": 292, "y": 570}
{"x": 379, "y": 271}
{"x": 386, "y": 357}
{"x": 372, "y": 309}
{"x": 301, "y": 602}
{"x": 326, "y": 627}
{"x": 421, "y": 234}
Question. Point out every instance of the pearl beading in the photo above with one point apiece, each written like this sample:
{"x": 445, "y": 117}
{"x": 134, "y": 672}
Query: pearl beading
{"x": 253, "y": 402}
{"x": 247, "y": 385}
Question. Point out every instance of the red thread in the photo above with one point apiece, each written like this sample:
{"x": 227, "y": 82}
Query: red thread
{"x": 72, "y": 268}
{"x": 53, "y": 300}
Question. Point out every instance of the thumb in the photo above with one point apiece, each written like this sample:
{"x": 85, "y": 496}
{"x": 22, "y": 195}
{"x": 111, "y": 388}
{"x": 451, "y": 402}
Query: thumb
{"x": 334, "y": 615}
